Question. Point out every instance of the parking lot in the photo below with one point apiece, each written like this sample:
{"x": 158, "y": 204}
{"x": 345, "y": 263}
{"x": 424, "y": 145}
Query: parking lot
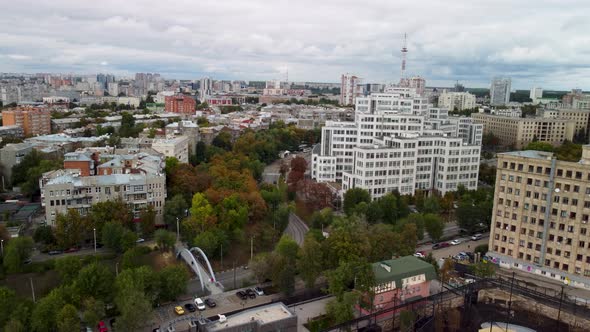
{"x": 466, "y": 245}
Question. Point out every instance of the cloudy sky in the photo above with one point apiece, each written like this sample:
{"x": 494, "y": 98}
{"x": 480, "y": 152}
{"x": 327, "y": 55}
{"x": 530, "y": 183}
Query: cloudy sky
{"x": 536, "y": 42}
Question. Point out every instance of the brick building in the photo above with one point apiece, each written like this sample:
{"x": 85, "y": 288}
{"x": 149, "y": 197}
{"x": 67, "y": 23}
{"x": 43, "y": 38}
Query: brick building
{"x": 180, "y": 104}
{"x": 34, "y": 121}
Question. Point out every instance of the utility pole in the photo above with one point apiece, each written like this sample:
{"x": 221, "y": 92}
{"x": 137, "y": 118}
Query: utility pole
{"x": 510, "y": 301}
{"x": 32, "y": 290}
{"x": 221, "y": 255}
{"x": 177, "y": 229}
{"x": 234, "y": 266}
{"x": 251, "y": 248}
{"x": 559, "y": 310}
{"x": 94, "y": 231}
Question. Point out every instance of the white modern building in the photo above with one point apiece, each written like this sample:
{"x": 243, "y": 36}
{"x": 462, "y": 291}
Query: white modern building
{"x": 206, "y": 88}
{"x": 456, "y": 100}
{"x": 176, "y": 147}
{"x": 536, "y": 93}
{"x": 398, "y": 142}
{"x": 500, "y": 91}
{"x": 350, "y": 89}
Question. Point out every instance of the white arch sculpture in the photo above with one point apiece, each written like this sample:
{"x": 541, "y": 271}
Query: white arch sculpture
{"x": 194, "y": 261}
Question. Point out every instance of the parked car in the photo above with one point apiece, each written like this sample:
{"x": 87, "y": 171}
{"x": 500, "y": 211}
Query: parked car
{"x": 210, "y": 303}
{"x": 222, "y": 318}
{"x": 242, "y": 295}
{"x": 72, "y": 249}
{"x": 55, "y": 252}
{"x": 178, "y": 310}
{"x": 140, "y": 240}
{"x": 419, "y": 254}
{"x": 440, "y": 245}
{"x": 250, "y": 293}
{"x": 200, "y": 304}
{"x": 258, "y": 291}
{"x": 455, "y": 242}
{"x": 476, "y": 237}
{"x": 190, "y": 307}
{"x": 102, "y": 327}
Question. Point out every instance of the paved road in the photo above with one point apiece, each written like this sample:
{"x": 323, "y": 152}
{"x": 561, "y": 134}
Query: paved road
{"x": 226, "y": 278}
{"x": 296, "y": 228}
{"x": 465, "y": 245}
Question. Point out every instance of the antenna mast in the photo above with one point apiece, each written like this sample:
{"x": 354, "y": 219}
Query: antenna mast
{"x": 404, "y": 51}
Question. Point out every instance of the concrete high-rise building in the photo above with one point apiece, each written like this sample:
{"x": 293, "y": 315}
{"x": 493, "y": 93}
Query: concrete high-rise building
{"x": 456, "y": 100}
{"x": 419, "y": 84}
{"x": 398, "y": 142}
{"x": 206, "y": 88}
{"x": 541, "y": 214}
{"x": 34, "y": 121}
{"x": 113, "y": 88}
{"x": 536, "y": 93}
{"x": 180, "y": 104}
{"x": 349, "y": 89}
{"x": 500, "y": 91}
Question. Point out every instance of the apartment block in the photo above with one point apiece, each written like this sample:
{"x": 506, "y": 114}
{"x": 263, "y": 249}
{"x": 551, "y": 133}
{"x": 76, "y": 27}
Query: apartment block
{"x": 176, "y": 147}
{"x": 500, "y": 91}
{"x": 541, "y": 214}
{"x": 180, "y": 104}
{"x": 12, "y": 154}
{"x": 456, "y": 100}
{"x": 34, "y": 121}
{"x": 350, "y": 89}
{"x": 139, "y": 180}
{"x": 398, "y": 142}
{"x": 519, "y": 132}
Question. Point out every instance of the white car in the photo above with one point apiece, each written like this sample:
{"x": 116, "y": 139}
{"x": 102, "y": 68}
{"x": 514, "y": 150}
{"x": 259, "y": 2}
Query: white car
{"x": 455, "y": 242}
{"x": 200, "y": 303}
{"x": 258, "y": 291}
{"x": 419, "y": 255}
{"x": 140, "y": 240}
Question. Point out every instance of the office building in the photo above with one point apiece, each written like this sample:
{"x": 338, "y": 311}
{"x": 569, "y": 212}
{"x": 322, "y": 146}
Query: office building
{"x": 500, "y": 91}
{"x": 536, "y": 93}
{"x": 139, "y": 180}
{"x": 349, "y": 89}
{"x": 541, "y": 214}
{"x": 398, "y": 142}
{"x": 519, "y": 132}
{"x": 182, "y": 104}
{"x": 456, "y": 100}
{"x": 34, "y": 121}
{"x": 206, "y": 88}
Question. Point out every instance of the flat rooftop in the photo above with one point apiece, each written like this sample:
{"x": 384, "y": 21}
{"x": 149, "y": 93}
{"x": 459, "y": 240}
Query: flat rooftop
{"x": 263, "y": 315}
{"x": 531, "y": 154}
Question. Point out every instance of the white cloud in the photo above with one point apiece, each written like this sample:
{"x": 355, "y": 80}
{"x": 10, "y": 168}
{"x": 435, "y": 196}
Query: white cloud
{"x": 544, "y": 42}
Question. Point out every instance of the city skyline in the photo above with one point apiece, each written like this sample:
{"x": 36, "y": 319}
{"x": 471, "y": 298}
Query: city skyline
{"x": 312, "y": 41}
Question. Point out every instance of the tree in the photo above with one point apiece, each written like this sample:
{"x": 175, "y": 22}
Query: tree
{"x": 111, "y": 211}
{"x": 7, "y": 301}
{"x": 68, "y": 319}
{"x": 482, "y": 249}
{"x": 315, "y": 196}
{"x": 44, "y": 316}
{"x": 352, "y": 197}
{"x": 341, "y": 310}
{"x": 95, "y": 280}
{"x": 446, "y": 270}
{"x": 147, "y": 219}
{"x": 322, "y": 218}
{"x": 201, "y": 152}
{"x": 132, "y": 257}
{"x": 483, "y": 269}
{"x": 405, "y": 243}
{"x": 173, "y": 281}
{"x": 262, "y": 265}
{"x": 283, "y": 274}
{"x": 43, "y": 234}
{"x": 127, "y": 128}
{"x": 70, "y": 229}
{"x": 164, "y": 239}
{"x": 202, "y": 215}
{"x": 434, "y": 226}
{"x": 117, "y": 237}
{"x": 134, "y": 307}
{"x": 16, "y": 252}
{"x": 431, "y": 205}
{"x": 223, "y": 140}
{"x": 310, "y": 261}
{"x": 68, "y": 268}
{"x": 14, "y": 325}
{"x": 540, "y": 146}
{"x": 210, "y": 241}
{"x": 94, "y": 311}
{"x": 175, "y": 209}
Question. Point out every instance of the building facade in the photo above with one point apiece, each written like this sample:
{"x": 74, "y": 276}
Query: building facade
{"x": 536, "y": 93}
{"x": 34, "y": 121}
{"x": 350, "y": 89}
{"x": 181, "y": 104}
{"x": 541, "y": 214}
{"x": 177, "y": 147}
{"x": 12, "y": 154}
{"x": 397, "y": 142}
{"x": 519, "y": 132}
{"x": 205, "y": 88}
{"x": 500, "y": 91}
{"x": 456, "y": 100}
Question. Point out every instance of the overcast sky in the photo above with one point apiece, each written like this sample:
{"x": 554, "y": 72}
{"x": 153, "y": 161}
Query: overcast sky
{"x": 536, "y": 42}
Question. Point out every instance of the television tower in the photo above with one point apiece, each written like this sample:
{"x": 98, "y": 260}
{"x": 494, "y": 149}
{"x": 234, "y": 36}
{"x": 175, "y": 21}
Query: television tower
{"x": 404, "y": 51}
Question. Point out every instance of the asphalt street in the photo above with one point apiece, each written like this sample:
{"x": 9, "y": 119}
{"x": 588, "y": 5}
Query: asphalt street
{"x": 296, "y": 228}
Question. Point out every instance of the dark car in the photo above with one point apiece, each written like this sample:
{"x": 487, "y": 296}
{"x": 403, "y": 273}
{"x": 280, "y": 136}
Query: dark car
{"x": 242, "y": 295}
{"x": 250, "y": 293}
{"x": 210, "y": 303}
{"x": 440, "y": 245}
{"x": 72, "y": 249}
{"x": 112, "y": 322}
{"x": 190, "y": 307}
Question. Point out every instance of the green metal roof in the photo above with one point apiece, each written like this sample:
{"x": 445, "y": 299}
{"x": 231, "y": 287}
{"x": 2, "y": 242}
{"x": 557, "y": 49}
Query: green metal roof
{"x": 402, "y": 268}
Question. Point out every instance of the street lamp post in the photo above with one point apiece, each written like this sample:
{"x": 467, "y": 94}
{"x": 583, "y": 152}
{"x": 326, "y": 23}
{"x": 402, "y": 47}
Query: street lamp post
{"x": 2, "y": 244}
{"x": 117, "y": 269}
{"x": 177, "y": 229}
{"x": 251, "y": 248}
{"x": 94, "y": 231}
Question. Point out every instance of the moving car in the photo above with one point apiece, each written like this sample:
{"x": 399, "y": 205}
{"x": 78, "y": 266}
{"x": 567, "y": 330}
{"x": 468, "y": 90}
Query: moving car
{"x": 210, "y": 303}
{"x": 178, "y": 310}
{"x": 250, "y": 293}
{"x": 55, "y": 252}
{"x": 455, "y": 242}
{"x": 258, "y": 291}
{"x": 102, "y": 327}
{"x": 190, "y": 307}
{"x": 242, "y": 295}
{"x": 200, "y": 304}
{"x": 476, "y": 237}
{"x": 440, "y": 245}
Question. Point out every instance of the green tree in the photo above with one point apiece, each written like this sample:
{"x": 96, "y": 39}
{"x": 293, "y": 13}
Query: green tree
{"x": 353, "y": 197}
{"x": 143, "y": 279}
{"x": 7, "y": 302}
{"x": 147, "y": 219}
{"x": 14, "y": 325}
{"x": 223, "y": 140}
{"x": 483, "y": 269}
{"x": 117, "y": 237}
{"x": 310, "y": 261}
{"x": 540, "y": 146}
{"x": 201, "y": 152}
{"x": 68, "y": 268}
{"x": 68, "y": 319}
{"x": 70, "y": 229}
{"x": 434, "y": 226}
{"x": 134, "y": 307}
{"x": 94, "y": 311}
{"x": 95, "y": 280}
{"x": 341, "y": 310}
{"x": 176, "y": 208}
{"x": 127, "y": 128}
{"x": 173, "y": 281}
{"x": 322, "y": 218}
{"x": 165, "y": 239}
{"x": 210, "y": 241}
{"x": 202, "y": 215}
{"x": 431, "y": 205}
{"x": 132, "y": 258}
{"x": 16, "y": 252}
{"x": 44, "y": 234}
{"x": 44, "y": 316}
